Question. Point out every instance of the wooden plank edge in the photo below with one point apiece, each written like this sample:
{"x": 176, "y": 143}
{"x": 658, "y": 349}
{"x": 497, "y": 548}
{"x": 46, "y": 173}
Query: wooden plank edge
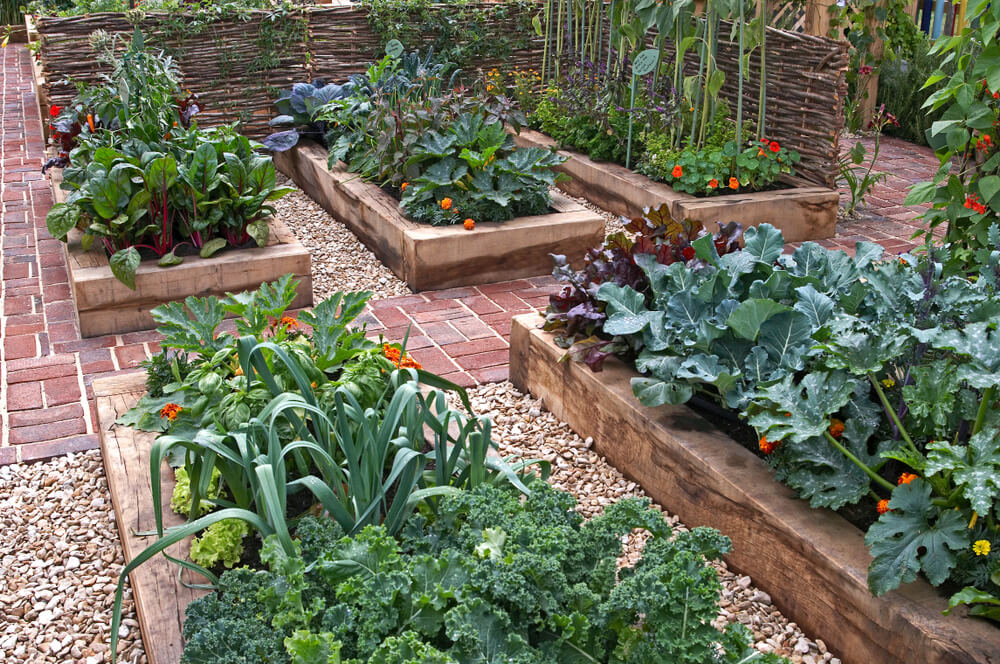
{"x": 837, "y": 604}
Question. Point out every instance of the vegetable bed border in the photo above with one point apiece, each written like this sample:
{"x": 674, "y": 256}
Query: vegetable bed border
{"x": 433, "y": 257}
{"x": 802, "y": 212}
{"x": 159, "y": 598}
{"x": 106, "y": 306}
{"x": 812, "y": 562}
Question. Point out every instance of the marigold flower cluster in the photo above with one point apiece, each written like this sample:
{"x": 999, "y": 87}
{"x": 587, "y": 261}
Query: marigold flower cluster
{"x": 768, "y": 446}
{"x": 289, "y": 323}
{"x": 883, "y": 506}
{"x": 396, "y": 356}
{"x": 906, "y": 478}
{"x": 982, "y": 547}
{"x": 170, "y": 411}
{"x": 836, "y": 428}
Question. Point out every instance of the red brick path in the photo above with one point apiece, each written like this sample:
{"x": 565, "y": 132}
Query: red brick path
{"x": 47, "y": 369}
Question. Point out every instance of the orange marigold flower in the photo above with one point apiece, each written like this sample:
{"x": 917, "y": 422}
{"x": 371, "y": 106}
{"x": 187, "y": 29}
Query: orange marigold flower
{"x": 409, "y": 363}
{"x": 390, "y": 352}
{"x": 469, "y": 224}
{"x": 288, "y": 323}
{"x": 170, "y": 411}
{"x": 883, "y": 506}
{"x": 678, "y": 171}
{"x": 445, "y": 203}
{"x": 734, "y": 183}
{"x": 836, "y": 428}
{"x": 767, "y": 446}
{"x": 713, "y": 183}
{"x": 774, "y": 147}
{"x": 906, "y": 478}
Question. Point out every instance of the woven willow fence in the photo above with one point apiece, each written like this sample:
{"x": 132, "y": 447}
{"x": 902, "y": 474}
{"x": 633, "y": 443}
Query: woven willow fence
{"x": 238, "y": 65}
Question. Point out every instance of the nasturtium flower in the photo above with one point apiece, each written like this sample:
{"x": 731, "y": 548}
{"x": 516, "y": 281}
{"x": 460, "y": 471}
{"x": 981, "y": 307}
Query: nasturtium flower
{"x": 405, "y": 185}
{"x": 734, "y": 183}
{"x": 981, "y": 547}
{"x": 774, "y": 146}
{"x": 713, "y": 183}
{"x": 54, "y": 110}
{"x": 445, "y": 203}
{"x": 906, "y": 478}
{"x": 883, "y": 506}
{"x": 678, "y": 171}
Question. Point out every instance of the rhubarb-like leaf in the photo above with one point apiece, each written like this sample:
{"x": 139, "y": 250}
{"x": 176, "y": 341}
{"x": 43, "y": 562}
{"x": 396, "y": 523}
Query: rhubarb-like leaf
{"x": 913, "y": 536}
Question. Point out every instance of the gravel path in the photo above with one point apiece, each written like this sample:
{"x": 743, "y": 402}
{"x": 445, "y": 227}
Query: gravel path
{"x": 60, "y": 558}
{"x": 525, "y": 429}
{"x": 340, "y": 262}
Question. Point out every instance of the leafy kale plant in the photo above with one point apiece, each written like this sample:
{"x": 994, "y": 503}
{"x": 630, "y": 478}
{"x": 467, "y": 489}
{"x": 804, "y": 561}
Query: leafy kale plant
{"x": 489, "y": 577}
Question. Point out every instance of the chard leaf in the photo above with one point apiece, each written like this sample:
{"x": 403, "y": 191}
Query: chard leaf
{"x": 170, "y": 259}
{"x": 259, "y": 231}
{"x": 212, "y": 246}
{"x": 61, "y": 219}
{"x": 914, "y": 536}
{"x": 123, "y": 265}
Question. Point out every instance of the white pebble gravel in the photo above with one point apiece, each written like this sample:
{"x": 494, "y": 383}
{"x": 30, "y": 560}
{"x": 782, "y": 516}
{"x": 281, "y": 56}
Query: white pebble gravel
{"x": 523, "y": 428}
{"x": 61, "y": 557}
{"x": 340, "y": 262}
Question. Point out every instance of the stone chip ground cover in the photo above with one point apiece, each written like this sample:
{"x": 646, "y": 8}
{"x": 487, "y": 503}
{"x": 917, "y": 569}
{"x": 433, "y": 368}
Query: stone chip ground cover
{"x": 60, "y": 557}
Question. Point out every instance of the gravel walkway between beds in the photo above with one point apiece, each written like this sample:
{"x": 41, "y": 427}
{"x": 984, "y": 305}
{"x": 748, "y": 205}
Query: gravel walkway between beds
{"x": 523, "y": 428}
{"x": 60, "y": 557}
{"x": 340, "y": 262}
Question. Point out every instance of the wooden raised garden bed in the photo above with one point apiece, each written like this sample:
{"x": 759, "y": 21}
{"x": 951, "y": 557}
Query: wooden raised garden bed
{"x": 802, "y": 212}
{"x": 812, "y": 562}
{"x": 429, "y": 257}
{"x": 159, "y": 598}
{"x": 107, "y": 306}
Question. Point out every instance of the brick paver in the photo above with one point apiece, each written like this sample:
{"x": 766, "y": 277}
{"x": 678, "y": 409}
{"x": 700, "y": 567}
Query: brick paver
{"x": 46, "y": 369}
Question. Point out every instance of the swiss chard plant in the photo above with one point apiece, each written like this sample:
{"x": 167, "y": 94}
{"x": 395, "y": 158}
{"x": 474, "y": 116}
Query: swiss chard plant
{"x": 142, "y": 177}
{"x": 489, "y": 577}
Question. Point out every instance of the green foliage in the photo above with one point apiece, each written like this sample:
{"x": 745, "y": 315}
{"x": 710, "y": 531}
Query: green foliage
{"x": 447, "y": 154}
{"x": 463, "y": 32}
{"x": 143, "y": 176}
{"x": 220, "y": 544}
{"x": 901, "y": 89}
{"x": 180, "y": 500}
{"x": 965, "y": 91}
{"x": 547, "y": 593}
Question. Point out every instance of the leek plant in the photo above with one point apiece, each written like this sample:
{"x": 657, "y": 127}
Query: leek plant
{"x": 362, "y": 465}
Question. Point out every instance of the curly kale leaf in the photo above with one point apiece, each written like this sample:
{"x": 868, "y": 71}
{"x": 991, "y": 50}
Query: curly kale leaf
{"x": 231, "y": 626}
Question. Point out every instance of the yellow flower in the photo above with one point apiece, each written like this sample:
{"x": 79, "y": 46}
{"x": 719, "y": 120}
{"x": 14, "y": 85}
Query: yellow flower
{"x": 888, "y": 383}
{"x": 981, "y": 548}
